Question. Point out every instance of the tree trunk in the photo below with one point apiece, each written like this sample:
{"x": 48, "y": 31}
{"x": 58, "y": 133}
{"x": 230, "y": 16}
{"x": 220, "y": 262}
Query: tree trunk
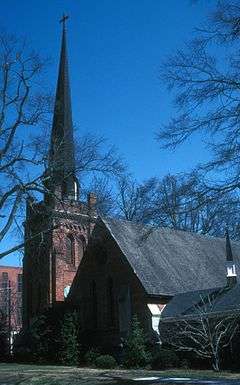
{"x": 215, "y": 364}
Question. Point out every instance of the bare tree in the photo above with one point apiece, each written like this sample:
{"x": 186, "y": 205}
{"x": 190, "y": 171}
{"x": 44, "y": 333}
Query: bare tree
{"x": 95, "y": 155}
{"x": 206, "y": 82}
{"x": 180, "y": 205}
{"x": 135, "y": 201}
{"x": 203, "y": 332}
{"x": 23, "y": 104}
{"x": 24, "y": 137}
{"x": 103, "y": 188}
{"x": 175, "y": 201}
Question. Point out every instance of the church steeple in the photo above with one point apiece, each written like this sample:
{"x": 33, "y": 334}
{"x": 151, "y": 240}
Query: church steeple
{"x": 61, "y": 167}
{"x": 231, "y": 267}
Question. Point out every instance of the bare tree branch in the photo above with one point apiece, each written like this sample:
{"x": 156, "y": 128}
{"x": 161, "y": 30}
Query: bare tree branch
{"x": 206, "y": 85}
{"x": 201, "y": 331}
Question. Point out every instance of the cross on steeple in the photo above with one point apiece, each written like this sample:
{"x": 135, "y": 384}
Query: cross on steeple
{"x": 61, "y": 168}
{"x": 63, "y": 20}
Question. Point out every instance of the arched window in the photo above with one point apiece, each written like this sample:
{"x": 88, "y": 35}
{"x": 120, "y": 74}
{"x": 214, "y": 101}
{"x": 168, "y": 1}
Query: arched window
{"x": 81, "y": 247}
{"x": 83, "y": 243}
{"x": 110, "y": 302}
{"x": 76, "y": 189}
{"x": 94, "y": 304}
{"x": 66, "y": 291}
{"x": 70, "y": 250}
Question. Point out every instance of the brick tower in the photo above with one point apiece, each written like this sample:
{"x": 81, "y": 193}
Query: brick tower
{"x": 59, "y": 226}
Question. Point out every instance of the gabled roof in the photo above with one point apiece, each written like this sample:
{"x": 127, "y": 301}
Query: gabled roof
{"x": 184, "y": 303}
{"x": 168, "y": 261}
{"x": 212, "y": 301}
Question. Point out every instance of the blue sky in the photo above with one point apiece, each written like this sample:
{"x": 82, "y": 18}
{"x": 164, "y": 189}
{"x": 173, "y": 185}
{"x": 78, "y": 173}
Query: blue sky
{"x": 115, "y": 50}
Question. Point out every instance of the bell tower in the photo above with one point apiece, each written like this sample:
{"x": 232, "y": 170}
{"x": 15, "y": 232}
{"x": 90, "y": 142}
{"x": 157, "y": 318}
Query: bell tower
{"x": 56, "y": 229}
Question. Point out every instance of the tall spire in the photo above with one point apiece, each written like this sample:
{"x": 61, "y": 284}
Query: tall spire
{"x": 61, "y": 155}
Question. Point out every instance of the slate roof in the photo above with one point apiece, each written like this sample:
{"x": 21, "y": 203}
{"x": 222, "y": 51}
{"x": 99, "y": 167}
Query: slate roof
{"x": 167, "y": 261}
{"x": 183, "y": 304}
{"x": 186, "y": 304}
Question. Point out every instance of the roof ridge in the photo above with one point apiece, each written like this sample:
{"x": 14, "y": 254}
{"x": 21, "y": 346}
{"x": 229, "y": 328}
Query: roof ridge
{"x": 165, "y": 228}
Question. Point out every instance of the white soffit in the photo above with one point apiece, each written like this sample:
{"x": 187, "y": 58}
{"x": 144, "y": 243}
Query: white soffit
{"x": 156, "y": 309}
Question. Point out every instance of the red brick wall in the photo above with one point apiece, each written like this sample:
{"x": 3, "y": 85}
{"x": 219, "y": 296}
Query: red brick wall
{"x": 47, "y": 272}
{"x": 64, "y": 272}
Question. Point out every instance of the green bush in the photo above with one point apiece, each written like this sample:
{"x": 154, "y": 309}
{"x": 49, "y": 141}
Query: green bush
{"x": 51, "y": 338}
{"x": 38, "y": 339}
{"x": 91, "y": 356}
{"x": 106, "y": 362}
{"x": 135, "y": 351}
{"x": 69, "y": 347}
{"x": 165, "y": 359}
{"x": 185, "y": 364}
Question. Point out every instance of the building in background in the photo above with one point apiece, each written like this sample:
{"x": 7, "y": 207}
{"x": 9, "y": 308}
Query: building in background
{"x": 11, "y": 298}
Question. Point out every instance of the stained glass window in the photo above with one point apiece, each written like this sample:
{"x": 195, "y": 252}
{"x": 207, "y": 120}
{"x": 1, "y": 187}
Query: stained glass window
{"x": 110, "y": 296}
{"x": 70, "y": 250}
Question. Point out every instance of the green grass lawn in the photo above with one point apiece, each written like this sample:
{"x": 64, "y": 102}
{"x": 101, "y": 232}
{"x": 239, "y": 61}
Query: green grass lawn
{"x": 16, "y": 374}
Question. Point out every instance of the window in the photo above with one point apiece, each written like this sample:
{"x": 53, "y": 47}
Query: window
{"x": 70, "y": 250}
{"x": 4, "y": 280}
{"x": 4, "y": 300}
{"x": 81, "y": 247}
{"x": 19, "y": 283}
{"x": 66, "y": 291}
{"x": 75, "y": 190}
{"x": 110, "y": 302}
{"x": 19, "y": 315}
{"x": 94, "y": 304}
{"x": 83, "y": 240}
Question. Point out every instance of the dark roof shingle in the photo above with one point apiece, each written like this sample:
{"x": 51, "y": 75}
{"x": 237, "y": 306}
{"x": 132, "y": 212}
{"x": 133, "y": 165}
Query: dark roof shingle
{"x": 168, "y": 261}
{"x": 222, "y": 300}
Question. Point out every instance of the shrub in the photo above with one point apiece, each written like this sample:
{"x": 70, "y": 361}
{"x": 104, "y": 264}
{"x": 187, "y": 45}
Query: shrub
{"x": 69, "y": 347}
{"x": 135, "y": 352}
{"x": 106, "y": 362}
{"x": 37, "y": 338}
{"x": 40, "y": 342}
{"x": 91, "y": 356}
{"x": 164, "y": 359}
{"x": 51, "y": 338}
{"x": 185, "y": 364}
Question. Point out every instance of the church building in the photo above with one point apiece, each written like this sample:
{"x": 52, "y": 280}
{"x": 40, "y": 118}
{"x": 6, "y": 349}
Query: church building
{"x": 129, "y": 268}
{"x": 108, "y": 269}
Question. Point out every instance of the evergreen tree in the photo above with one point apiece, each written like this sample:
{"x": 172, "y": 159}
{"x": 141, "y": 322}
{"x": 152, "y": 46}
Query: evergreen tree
{"x": 69, "y": 346}
{"x": 136, "y": 354}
